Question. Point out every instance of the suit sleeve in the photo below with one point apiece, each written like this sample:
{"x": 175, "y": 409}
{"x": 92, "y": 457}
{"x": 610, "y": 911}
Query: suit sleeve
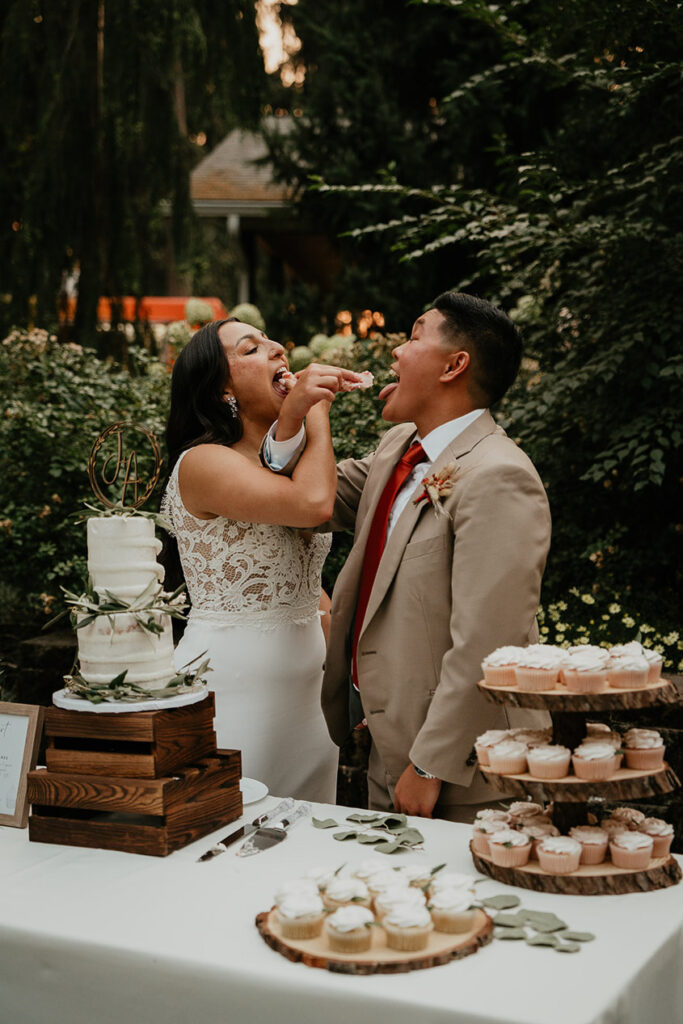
{"x": 501, "y": 526}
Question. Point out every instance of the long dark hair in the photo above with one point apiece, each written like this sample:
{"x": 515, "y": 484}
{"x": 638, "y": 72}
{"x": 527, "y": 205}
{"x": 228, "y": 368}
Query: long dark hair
{"x": 198, "y": 415}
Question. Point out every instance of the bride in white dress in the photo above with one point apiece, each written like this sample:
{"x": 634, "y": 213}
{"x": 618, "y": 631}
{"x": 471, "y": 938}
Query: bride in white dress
{"x": 251, "y": 566}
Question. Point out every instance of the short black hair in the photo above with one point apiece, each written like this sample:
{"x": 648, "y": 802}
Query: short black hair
{"x": 490, "y": 337}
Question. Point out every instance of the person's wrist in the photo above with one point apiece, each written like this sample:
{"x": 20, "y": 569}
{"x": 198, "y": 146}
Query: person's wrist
{"x": 421, "y": 773}
{"x": 287, "y": 427}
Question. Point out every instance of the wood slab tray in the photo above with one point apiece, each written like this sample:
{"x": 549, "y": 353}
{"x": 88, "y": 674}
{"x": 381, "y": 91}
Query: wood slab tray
{"x": 560, "y": 699}
{"x": 379, "y": 959}
{"x": 625, "y": 784}
{"x": 590, "y": 879}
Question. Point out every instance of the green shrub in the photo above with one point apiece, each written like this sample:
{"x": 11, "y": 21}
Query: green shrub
{"x": 248, "y": 314}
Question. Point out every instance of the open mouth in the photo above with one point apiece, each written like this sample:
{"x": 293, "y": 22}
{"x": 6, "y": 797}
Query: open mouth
{"x": 283, "y": 382}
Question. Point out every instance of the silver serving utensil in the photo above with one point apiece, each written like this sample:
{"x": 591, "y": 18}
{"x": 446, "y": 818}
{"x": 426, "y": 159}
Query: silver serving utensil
{"x": 245, "y": 830}
{"x": 265, "y": 837}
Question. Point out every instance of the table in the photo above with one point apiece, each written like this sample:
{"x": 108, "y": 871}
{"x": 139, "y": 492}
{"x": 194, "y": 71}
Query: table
{"x": 99, "y": 937}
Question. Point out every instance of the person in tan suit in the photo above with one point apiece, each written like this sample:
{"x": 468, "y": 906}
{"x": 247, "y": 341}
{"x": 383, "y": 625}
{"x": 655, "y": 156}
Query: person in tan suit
{"x": 435, "y": 583}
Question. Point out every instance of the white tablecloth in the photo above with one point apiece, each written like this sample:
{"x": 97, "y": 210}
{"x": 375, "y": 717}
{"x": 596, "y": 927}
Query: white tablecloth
{"x": 98, "y": 937}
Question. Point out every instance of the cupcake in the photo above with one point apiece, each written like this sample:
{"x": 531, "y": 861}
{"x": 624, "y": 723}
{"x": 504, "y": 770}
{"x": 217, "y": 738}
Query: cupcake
{"x": 611, "y": 827}
{"x": 499, "y": 666}
{"x": 509, "y": 849}
{"x": 489, "y": 739}
{"x": 597, "y": 729}
{"x": 593, "y": 841}
{"x": 508, "y": 758}
{"x": 480, "y": 835}
{"x": 522, "y": 810}
{"x": 539, "y": 667}
{"x": 295, "y": 887}
{"x": 551, "y": 762}
{"x": 388, "y": 899}
{"x": 594, "y": 761}
{"x": 407, "y": 927}
{"x": 643, "y": 749}
{"x": 559, "y": 855}
{"x": 383, "y": 880}
{"x": 301, "y": 916}
{"x": 661, "y": 833}
{"x": 631, "y": 817}
{"x": 492, "y": 814}
{"x": 585, "y": 670}
{"x": 628, "y": 671}
{"x": 349, "y": 929}
{"x": 536, "y": 834}
{"x": 452, "y": 880}
{"x": 631, "y": 850}
{"x": 416, "y": 875}
{"x": 655, "y": 662}
{"x": 607, "y": 735}
{"x": 451, "y": 911}
{"x": 366, "y": 868}
{"x": 342, "y": 891}
{"x": 532, "y": 737}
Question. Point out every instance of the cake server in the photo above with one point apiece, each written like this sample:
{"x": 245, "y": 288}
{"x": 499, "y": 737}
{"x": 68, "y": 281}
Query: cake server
{"x": 274, "y": 814}
{"x": 271, "y": 834}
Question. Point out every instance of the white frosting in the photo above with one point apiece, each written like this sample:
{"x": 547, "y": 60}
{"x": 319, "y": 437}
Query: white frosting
{"x": 366, "y": 868}
{"x": 653, "y": 657}
{"x": 550, "y": 753}
{"x": 296, "y": 887}
{"x": 452, "y": 880}
{"x": 629, "y": 663}
{"x": 347, "y": 919}
{"x": 561, "y": 844}
{"x": 589, "y": 835}
{"x": 408, "y": 915}
{"x": 524, "y": 809}
{"x": 597, "y": 728}
{"x": 599, "y": 652}
{"x": 542, "y": 656}
{"x": 489, "y": 827}
{"x": 626, "y": 650}
{"x": 632, "y": 840}
{"x": 383, "y": 880}
{"x": 400, "y": 894}
{"x": 612, "y": 827}
{"x": 507, "y": 837}
{"x": 322, "y": 876}
{"x": 508, "y": 748}
{"x": 346, "y": 889}
{"x": 532, "y": 737}
{"x": 491, "y": 814}
{"x": 454, "y": 900}
{"x": 587, "y": 660}
{"x": 643, "y": 739}
{"x": 503, "y": 656}
{"x": 629, "y": 815}
{"x": 300, "y": 904}
{"x": 491, "y": 737}
{"x": 609, "y": 737}
{"x": 539, "y": 831}
{"x": 656, "y": 827}
{"x": 594, "y": 751}
{"x": 414, "y": 873}
{"x": 122, "y": 554}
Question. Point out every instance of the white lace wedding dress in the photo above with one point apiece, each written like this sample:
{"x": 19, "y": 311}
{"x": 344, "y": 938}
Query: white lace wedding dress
{"x": 255, "y": 591}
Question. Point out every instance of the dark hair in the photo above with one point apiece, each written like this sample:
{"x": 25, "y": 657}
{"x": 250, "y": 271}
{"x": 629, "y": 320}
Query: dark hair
{"x": 199, "y": 413}
{"x": 490, "y": 337}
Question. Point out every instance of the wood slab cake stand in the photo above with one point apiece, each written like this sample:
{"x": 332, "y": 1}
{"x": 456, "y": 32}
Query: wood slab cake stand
{"x": 569, "y": 795}
{"x": 379, "y": 959}
{"x": 142, "y": 782}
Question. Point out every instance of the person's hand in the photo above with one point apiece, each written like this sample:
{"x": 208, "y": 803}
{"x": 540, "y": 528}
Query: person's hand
{"x": 415, "y": 795}
{"x": 317, "y": 383}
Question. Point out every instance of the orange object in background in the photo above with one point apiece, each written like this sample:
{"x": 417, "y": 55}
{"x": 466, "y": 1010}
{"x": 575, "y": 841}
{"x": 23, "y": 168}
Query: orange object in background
{"x": 155, "y": 309}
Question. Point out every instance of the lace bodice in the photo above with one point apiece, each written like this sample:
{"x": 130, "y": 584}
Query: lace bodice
{"x": 246, "y": 572}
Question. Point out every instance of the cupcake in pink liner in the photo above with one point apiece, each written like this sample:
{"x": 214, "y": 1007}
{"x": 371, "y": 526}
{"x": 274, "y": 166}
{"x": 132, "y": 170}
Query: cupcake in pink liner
{"x": 631, "y": 817}
{"x": 508, "y": 758}
{"x": 499, "y": 666}
{"x": 559, "y": 855}
{"x": 612, "y": 738}
{"x": 520, "y": 811}
{"x": 628, "y": 671}
{"x": 631, "y": 850}
{"x": 661, "y": 833}
{"x": 551, "y": 762}
{"x": 585, "y": 671}
{"x": 488, "y": 739}
{"x": 644, "y": 749}
{"x": 593, "y": 841}
{"x": 655, "y": 662}
{"x": 539, "y": 668}
{"x": 594, "y": 761}
{"x": 509, "y": 849}
{"x": 537, "y": 833}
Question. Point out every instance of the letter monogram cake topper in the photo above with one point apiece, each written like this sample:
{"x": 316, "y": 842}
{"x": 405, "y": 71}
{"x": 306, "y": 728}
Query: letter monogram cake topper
{"x": 113, "y": 466}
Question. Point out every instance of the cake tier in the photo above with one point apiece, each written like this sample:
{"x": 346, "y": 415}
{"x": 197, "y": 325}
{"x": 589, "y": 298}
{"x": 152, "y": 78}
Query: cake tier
{"x": 114, "y": 642}
{"x": 122, "y": 555}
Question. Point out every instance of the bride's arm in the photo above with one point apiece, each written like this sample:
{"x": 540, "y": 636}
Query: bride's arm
{"x": 218, "y": 481}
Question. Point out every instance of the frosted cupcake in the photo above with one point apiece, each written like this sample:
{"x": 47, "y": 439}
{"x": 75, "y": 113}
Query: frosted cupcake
{"x": 452, "y": 880}
{"x": 661, "y": 833}
{"x": 559, "y": 855}
{"x": 295, "y": 887}
{"x": 349, "y": 929}
{"x": 593, "y": 842}
{"x": 390, "y": 898}
{"x": 383, "y": 880}
{"x": 631, "y": 850}
{"x": 488, "y": 739}
{"x": 539, "y": 668}
{"x": 366, "y": 868}
{"x": 407, "y": 927}
{"x": 537, "y": 833}
{"x": 606, "y": 735}
{"x": 451, "y": 911}
{"x": 481, "y": 832}
{"x": 631, "y": 817}
{"x": 492, "y": 814}
{"x": 508, "y": 758}
{"x": 342, "y": 891}
{"x": 551, "y": 762}
{"x": 499, "y": 666}
{"x": 644, "y": 749}
{"x": 594, "y": 761}
{"x": 416, "y": 875}
{"x": 509, "y": 849}
{"x": 655, "y": 662}
{"x": 585, "y": 671}
{"x": 628, "y": 671}
{"x": 532, "y": 737}
{"x": 611, "y": 827}
{"x": 522, "y": 810}
{"x": 301, "y": 916}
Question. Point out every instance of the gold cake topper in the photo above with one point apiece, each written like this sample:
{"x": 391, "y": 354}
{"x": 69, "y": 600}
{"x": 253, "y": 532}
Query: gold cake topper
{"x": 120, "y": 467}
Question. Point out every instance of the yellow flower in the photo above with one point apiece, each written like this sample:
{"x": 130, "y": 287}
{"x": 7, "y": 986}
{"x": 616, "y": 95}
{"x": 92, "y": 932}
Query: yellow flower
{"x": 671, "y": 638}
{"x": 614, "y": 609}
{"x": 588, "y": 599}
{"x": 628, "y": 621}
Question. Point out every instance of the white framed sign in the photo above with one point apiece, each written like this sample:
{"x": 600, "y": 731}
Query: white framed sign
{"x": 20, "y": 732}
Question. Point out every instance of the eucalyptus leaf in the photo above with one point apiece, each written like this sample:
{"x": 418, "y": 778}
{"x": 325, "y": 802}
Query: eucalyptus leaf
{"x": 363, "y": 819}
{"x": 511, "y": 933}
{"x": 389, "y": 847}
{"x": 439, "y": 867}
{"x": 578, "y": 936}
{"x": 547, "y": 926}
{"x": 502, "y": 902}
{"x": 542, "y": 940}
{"x": 324, "y": 823}
{"x": 568, "y": 947}
{"x": 367, "y": 838}
{"x": 409, "y": 836}
{"x": 509, "y": 920}
{"x": 342, "y": 836}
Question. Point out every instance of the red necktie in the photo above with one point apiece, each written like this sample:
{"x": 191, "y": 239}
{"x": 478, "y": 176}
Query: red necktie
{"x": 377, "y": 539}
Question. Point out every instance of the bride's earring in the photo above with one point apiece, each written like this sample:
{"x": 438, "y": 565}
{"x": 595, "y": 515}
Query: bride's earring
{"x": 232, "y": 404}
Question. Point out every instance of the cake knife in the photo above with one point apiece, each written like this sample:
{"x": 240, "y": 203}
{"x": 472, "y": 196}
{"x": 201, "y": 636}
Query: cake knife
{"x": 247, "y": 829}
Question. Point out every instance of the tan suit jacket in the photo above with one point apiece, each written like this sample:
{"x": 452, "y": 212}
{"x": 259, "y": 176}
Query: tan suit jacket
{"x": 449, "y": 589}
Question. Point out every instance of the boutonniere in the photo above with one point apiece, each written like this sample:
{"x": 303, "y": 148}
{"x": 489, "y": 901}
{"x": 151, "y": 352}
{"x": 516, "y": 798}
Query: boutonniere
{"x": 437, "y": 487}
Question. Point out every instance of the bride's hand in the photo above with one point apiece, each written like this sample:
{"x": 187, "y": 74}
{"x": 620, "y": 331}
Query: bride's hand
{"x": 316, "y": 384}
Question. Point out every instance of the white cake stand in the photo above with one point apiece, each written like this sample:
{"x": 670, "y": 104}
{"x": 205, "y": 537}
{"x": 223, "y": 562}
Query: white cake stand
{"x": 64, "y": 699}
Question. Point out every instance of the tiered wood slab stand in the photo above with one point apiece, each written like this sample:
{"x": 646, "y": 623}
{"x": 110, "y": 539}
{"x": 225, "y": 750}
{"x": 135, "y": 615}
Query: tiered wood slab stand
{"x": 569, "y": 795}
{"x": 143, "y": 782}
{"x": 379, "y": 959}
